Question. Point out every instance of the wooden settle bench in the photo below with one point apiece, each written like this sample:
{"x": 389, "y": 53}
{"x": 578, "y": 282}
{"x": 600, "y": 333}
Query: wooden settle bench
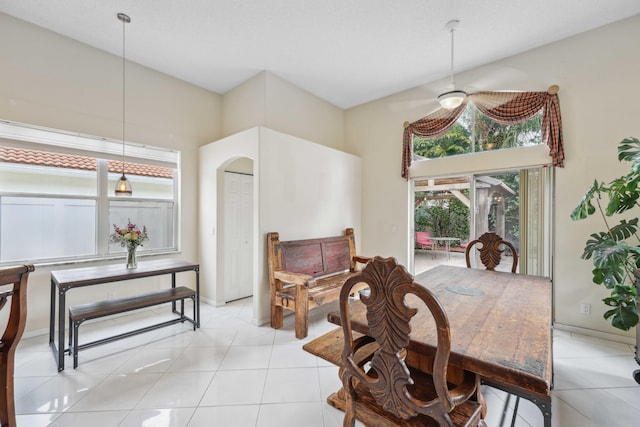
{"x": 304, "y": 274}
{"x": 94, "y": 310}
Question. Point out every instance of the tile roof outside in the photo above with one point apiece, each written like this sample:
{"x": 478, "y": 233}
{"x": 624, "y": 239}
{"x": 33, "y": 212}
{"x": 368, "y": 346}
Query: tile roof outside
{"x": 69, "y": 161}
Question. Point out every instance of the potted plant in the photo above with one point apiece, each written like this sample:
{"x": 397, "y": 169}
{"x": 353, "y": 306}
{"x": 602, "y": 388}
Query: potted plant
{"x": 615, "y": 251}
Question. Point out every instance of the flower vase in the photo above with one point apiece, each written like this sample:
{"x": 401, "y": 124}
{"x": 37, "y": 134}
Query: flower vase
{"x": 132, "y": 261}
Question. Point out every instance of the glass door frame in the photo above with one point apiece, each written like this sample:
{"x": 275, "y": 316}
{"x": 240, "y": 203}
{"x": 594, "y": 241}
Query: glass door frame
{"x": 545, "y": 215}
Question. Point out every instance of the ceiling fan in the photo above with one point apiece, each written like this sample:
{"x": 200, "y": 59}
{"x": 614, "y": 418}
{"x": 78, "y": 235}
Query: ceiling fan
{"x": 426, "y": 99}
{"x": 453, "y": 98}
{"x": 430, "y": 101}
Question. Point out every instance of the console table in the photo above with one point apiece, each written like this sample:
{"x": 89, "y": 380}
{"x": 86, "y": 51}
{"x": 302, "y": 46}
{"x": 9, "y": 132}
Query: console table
{"x": 63, "y": 281}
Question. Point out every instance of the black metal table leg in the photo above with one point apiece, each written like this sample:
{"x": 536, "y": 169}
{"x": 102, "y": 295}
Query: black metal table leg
{"x": 61, "y": 324}
{"x": 173, "y": 285}
{"x": 52, "y": 310}
{"x": 197, "y": 319}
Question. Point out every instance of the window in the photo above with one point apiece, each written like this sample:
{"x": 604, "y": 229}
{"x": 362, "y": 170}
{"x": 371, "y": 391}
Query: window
{"x": 57, "y": 197}
{"x": 475, "y": 132}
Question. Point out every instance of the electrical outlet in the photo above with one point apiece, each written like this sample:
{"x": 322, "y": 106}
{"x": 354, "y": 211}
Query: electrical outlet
{"x": 585, "y": 308}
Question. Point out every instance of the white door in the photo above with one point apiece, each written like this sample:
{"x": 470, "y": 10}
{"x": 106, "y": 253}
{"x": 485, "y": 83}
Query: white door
{"x": 238, "y": 231}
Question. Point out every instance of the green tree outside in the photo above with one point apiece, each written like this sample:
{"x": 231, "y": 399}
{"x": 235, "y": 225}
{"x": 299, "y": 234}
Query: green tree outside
{"x": 472, "y": 132}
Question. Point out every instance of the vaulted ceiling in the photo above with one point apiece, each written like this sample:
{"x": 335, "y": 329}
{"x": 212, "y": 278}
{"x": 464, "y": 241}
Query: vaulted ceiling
{"x": 347, "y": 52}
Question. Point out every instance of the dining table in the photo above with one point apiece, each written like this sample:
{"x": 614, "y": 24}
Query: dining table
{"x": 500, "y": 323}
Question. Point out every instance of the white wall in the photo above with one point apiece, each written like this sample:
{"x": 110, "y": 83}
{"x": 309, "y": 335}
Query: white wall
{"x": 49, "y": 80}
{"x": 266, "y": 100}
{"x": 307, "y": 189}
{"x": 301, "y": 190}
{"x": 244, "y": 106}
{"x": 599, "y": 90}
{"x": 295, "y": 111}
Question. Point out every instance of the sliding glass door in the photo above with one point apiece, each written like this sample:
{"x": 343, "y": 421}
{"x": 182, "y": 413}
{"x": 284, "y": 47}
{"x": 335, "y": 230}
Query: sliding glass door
{"x": 516, "y": 204}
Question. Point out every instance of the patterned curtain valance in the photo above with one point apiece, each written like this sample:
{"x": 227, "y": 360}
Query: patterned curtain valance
{"x": 503, "y": 107}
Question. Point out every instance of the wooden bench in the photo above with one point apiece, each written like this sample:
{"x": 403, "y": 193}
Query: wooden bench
{"x": 304, "y": 274}
{"x": 95, "y": 310}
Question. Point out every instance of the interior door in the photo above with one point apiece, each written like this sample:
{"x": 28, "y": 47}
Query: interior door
{"x": 238, "y": 242}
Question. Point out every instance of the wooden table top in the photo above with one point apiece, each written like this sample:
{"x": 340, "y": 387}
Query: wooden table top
{"x": 83, "y": 276}
{"x": 500, "y": 324}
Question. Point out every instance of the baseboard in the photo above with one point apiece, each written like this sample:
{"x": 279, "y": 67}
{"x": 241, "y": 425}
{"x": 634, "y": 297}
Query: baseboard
{"x": 596, "y": 334}
{"x": 260, "y": 322}
{"x": 210, "y": 301}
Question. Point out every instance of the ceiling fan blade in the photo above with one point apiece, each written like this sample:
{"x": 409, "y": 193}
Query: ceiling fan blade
{"x": 426, "y": 105}
{"x": 495, "y": 78}
{"x": 422, "y": 100}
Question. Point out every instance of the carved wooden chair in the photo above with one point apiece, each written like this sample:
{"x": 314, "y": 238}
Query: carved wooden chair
{"x": 13, "y": 332}
{"x": 491, "y": 251}
{"x": 386, "y": 391}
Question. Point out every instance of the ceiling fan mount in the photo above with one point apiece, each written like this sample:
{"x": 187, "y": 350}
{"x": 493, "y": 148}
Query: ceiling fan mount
{"x": 453, "y": 98}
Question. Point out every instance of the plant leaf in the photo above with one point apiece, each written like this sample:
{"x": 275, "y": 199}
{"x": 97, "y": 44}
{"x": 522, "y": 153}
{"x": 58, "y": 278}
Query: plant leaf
{"x": 623, "y": 230}
{"x": 622, "y": 193}
{"x": 585, "y": 207}
{"x": 598, "y": 242}
{"x": 624, "y": 319}
{"x": 624, "y": 314}
{"x": 629, "y": 151}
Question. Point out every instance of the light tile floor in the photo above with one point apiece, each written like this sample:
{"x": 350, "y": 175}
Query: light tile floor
{"x": 231, "y": 373}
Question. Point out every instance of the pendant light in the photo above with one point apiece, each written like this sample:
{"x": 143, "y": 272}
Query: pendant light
{"x": 453, "y": 98}
{"x": 123, "y": 187}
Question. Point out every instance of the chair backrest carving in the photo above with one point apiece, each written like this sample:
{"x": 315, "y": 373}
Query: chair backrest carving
{"x": 13, "y": 332}
{"x": 388, "y": 379}
{"x": 491, "y": 251}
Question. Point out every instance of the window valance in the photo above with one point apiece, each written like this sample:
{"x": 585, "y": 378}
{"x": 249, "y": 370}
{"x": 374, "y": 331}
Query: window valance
{"x": 503, "y": 107}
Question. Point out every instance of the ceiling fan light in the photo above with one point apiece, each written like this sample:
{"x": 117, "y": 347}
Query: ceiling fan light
{"x": 452, "y": 99}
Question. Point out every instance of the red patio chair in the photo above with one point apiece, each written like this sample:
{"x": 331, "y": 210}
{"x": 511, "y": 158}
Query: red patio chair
{"x": 423, "y": 240}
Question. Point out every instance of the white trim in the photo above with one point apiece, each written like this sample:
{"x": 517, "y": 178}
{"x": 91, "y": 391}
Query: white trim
{"x": 482, "y": 162}
{"x": 31, "y": 136}
{"x": 596, "y": 334}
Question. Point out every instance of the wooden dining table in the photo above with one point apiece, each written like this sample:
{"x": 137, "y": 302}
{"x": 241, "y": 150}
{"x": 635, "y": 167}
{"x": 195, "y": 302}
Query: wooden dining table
{"x": 500, "y": 328}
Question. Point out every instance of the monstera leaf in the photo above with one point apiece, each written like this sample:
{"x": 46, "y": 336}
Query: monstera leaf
{"x": 624, "y": 314}
{"x": 629, "y": 151}
{"x": 585, "y": 207}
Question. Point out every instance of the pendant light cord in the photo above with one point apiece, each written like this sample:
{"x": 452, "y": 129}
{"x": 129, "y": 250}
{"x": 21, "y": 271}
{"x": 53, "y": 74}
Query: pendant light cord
{"x": 452, "y": 81}
{"x": 125, "y": 20}
{"x": 124, "y": 23}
